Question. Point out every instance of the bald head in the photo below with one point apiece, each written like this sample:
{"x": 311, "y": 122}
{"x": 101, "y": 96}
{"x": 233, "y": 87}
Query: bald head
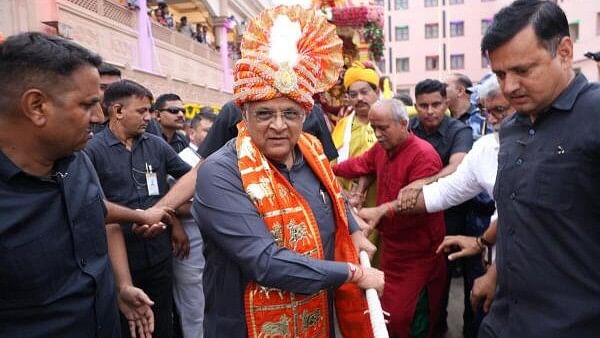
{"x": 389, "y": 120}
{"x": 391, "y": 107}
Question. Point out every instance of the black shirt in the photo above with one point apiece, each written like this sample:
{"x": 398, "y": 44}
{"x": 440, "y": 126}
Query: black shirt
{"x": 122, "y": 174}
{"x": 549, "y": 220}
{"x": 225, "y": 128}
{"x": 154, "y": 128}
{"x": 452, "y": 136}
{"x": 55, "y": 276}
{"x": 178, "y": 142}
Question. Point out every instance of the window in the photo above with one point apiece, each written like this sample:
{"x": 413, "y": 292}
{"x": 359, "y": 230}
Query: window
{"x": 485, "y": 62}
{"x": 485, "y": 24}
{"x": 457, "y": 61}
{"x": 457, "y": 28}
{"x": 574, "y": 31}
{"x": 400, "y": 4}
{"x": 431, "y": 3}
{"x": 432, "y": 62}
{"x": 432, "y": 30}
{"x": 402, "y": 33}
{"x": 402, "y": 65}
{"x": 457, "y": 2}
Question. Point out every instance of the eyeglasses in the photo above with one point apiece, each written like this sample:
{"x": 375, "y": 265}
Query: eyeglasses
{"x": 363, "y": 91}
{"x": 498, "y": 112}
{"x": 268, "y": 116}
{"x": 173, "y": 110}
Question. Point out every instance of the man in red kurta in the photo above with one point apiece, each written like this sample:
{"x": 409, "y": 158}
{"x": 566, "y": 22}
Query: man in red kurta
{"x": 415, "y": 275}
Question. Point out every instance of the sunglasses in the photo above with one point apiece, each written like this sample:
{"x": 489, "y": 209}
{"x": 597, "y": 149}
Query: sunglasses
{"x": 173, "y": 110}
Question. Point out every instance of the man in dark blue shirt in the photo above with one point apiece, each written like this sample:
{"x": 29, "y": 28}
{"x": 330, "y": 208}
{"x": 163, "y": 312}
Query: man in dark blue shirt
{"x": 132, "y": 166}
{"x": 548, "y": 177}
{"x": 171, "y": 116}
{"x": 55, "y": 275}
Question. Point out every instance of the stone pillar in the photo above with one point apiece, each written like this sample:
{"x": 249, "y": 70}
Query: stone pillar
{"x": 221, "y": 25}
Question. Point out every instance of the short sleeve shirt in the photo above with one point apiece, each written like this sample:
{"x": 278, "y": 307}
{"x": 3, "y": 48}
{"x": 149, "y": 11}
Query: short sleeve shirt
{"x": 122, "y": 175}
{"x": 55, "y": 275}
{"x": 451, "y": 137}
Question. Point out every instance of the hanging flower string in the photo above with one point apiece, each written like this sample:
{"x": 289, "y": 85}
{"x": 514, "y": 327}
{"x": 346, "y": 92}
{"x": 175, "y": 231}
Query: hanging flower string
{"x": 369, "y": 19}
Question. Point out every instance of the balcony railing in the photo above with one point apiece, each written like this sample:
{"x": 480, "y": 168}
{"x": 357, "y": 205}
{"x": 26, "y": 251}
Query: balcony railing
{"x": 118, "y": 13}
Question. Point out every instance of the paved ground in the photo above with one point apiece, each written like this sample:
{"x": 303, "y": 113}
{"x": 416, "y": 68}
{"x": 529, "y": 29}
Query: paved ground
{"x": 455, "y": 309}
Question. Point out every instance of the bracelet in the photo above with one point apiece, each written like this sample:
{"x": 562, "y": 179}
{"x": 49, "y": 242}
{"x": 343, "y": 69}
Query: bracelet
{"x": 390, "y": 210}
{"x": 485, "y": 241}
{"x": 356, "y": 273}
{"x": 352, "y": 269}
{"x": 480, "y": 243}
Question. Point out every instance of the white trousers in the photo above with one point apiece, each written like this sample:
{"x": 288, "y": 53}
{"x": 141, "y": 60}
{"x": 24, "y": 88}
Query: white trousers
{"x": 188, "y": 293}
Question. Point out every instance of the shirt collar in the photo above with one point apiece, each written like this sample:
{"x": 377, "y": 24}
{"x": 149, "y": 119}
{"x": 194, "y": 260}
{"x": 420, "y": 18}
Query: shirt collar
{"x": 443, "y": 127}
{"x": 193, "y": 146}
{"x": 7, "y": 168}
{"x": 464, "y": 117}
{"x": 112, "y": 140}
{"x": 566, "y": 100}
{"x": 298, "y": 160}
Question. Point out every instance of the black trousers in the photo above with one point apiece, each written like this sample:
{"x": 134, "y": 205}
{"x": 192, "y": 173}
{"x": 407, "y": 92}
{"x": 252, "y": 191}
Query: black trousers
{"x": 157, "y": 283}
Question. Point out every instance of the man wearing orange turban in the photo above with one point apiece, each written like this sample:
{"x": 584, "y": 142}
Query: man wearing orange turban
{"x": 280, "y": 241}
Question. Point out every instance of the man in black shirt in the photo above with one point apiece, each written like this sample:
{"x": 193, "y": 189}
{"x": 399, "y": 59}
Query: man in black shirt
{"x": 171, "y": 116}
{"x": 55, "y": 276}
{"x": 452, "y": 139}
{"x": 108, "y": 74}
{"x": 132, "y": 166}
{"x": 546, "y": 189}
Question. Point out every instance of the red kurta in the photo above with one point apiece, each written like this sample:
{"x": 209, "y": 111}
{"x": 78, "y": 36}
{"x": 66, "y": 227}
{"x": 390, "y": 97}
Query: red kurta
{"x": 409, "y": 241}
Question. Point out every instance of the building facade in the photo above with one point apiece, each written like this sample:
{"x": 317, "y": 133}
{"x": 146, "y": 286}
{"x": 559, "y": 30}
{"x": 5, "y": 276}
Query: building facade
{"x": 432, "y": 38}
{"x": 199, "y": 72}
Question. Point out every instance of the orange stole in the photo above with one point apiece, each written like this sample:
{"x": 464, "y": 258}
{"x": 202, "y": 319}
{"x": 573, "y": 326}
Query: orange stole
{"x": 272, "y": 312}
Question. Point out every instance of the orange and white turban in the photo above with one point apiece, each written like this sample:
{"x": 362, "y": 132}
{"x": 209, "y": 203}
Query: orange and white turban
{"x": 287, "y": 51}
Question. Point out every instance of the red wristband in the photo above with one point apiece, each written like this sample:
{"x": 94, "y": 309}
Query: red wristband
{"x": 391, "y": 211}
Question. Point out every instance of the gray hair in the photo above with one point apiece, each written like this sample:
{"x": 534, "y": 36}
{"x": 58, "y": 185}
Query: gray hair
{"x": 397, "y": 109}
{"x": 489, "y": 87}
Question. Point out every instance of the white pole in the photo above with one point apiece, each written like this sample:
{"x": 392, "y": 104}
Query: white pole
{"x": 375, "y": 311}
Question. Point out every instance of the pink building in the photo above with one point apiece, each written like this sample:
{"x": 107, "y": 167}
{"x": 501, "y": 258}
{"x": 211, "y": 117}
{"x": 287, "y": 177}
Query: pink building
{"x": 432, "y": 38}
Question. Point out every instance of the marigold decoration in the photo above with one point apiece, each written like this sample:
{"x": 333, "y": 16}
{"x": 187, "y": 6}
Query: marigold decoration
{"x": 287, "y": 51}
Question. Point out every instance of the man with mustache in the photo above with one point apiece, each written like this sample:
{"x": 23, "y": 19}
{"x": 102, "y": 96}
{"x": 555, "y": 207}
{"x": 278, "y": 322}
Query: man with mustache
{"x": 452, "y": 140}
{"x": 352, "y": 134}
{"x": 171, "y": 116}
{"x": 280, "y": 240}
{"x": 132, "y": 166}
{"x": 548, "y": 176}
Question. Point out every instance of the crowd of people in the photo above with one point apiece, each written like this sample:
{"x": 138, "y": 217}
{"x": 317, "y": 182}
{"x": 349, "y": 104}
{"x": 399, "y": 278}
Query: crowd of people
{"x": 119, "y": 218}
{"x": 161, "y": 14}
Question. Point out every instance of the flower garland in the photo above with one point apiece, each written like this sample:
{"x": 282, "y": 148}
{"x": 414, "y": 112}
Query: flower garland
{"x": 371, "y": 21}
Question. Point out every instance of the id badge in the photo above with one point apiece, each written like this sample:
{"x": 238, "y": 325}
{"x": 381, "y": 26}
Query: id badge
{"x": 152, "y": 184}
